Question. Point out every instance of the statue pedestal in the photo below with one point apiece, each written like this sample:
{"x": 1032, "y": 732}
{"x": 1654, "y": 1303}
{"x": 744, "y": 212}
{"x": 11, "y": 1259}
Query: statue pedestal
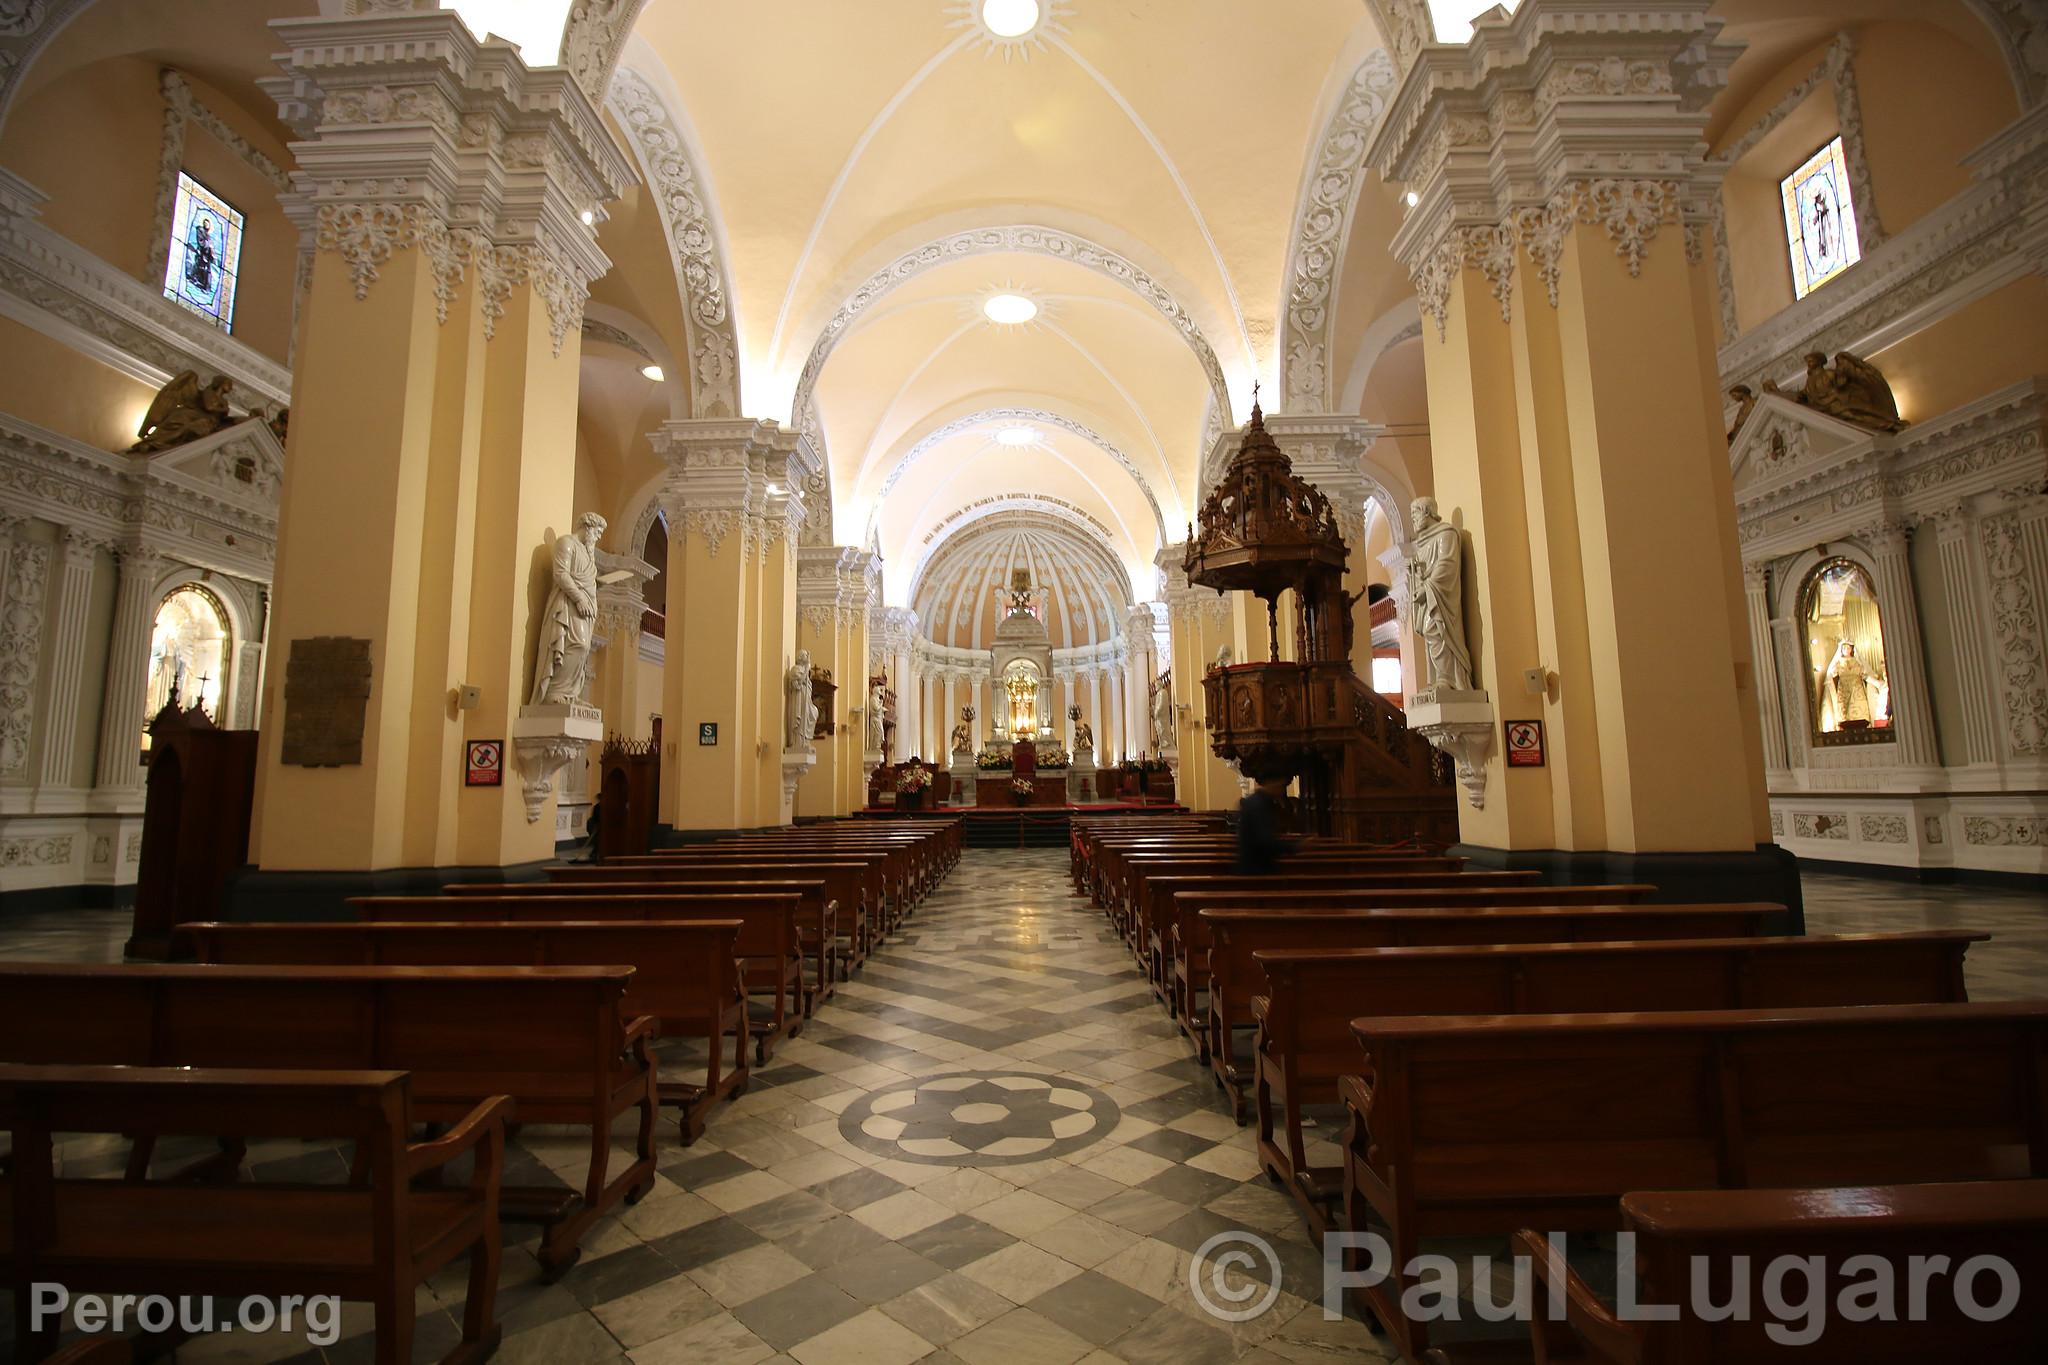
{"x": 963, "y": 772}
{"x": 1081, "y": 778}
{"x": 546, "y": 738}
{"x": 1460, "y": 724}
{"x": 795, "y": 763}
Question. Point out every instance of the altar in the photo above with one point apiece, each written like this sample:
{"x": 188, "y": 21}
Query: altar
{"x": 1021, "y": 744}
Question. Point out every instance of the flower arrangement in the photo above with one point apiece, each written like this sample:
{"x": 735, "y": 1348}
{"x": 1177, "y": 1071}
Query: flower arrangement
{"x": 916, "y": 778}
{"x": 1054, "y": 758}
{"x": 1021, "y": 788}
{"x": 988, "y": 760}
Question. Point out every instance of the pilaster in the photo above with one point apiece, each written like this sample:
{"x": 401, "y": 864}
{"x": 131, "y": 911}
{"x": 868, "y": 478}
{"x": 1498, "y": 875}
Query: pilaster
{"x": 1757, "y": 601}
{"x": 58, "y": 789}
{"x": 1954, "y": 531}
{"x": 117, "y": 772}
{"x": 1912, "y": 709}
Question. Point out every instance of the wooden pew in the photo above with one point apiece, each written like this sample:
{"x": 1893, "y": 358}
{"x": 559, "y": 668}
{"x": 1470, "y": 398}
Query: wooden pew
{"x": 556, "y": 1039}
{"x": 817, "y": 918}
{"x": 883, "y": 881}
{"x": 771, "y": 955}
{"x": 1236, "y": 978}
{"x": 1137, "y": 871}
{"x": 852, "y": 885}
{"x": 1477, "y": 1125}
{"x": 1303, "y": 879}
{"x": 686, "y": 973}
{"x": 376, "y": 1239}
{"x": 1304, "y": 1017}
{"x": 1192, "y": 939}
{"x": 1741, "y": 1232}
{"x": 906, "y": 864}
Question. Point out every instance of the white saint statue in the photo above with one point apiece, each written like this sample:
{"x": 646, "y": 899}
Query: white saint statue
{"x": 875, "y": 718}
{"x": 1162, "y": 712}
{"x": 1848, "y": 686}
{"x": 803, "y": 708}
{"x": 1436, "y": 597}
{"x": 561, "y": 657}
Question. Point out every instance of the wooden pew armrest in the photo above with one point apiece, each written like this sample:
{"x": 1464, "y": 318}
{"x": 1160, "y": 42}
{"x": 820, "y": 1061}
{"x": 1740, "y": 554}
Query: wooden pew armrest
{"x": 641, "y": 1035}
{"x": 1590, "y": 1329}
{"x": 485, "y": 1122}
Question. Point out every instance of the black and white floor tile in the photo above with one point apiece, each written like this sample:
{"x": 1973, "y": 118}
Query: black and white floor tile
{"x": 992, "y": 1147}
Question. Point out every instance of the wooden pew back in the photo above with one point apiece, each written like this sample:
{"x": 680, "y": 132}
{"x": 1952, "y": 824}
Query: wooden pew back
{"x": 548, "y": 1036}
{"x": 1895, "y": 1229}
{"x": 684, "y": 971}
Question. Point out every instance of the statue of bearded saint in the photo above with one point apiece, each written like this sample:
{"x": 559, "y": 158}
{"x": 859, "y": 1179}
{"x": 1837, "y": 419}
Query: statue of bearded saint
{"x": 803, "y": 707}
{"x": 1436, "y": 596}
{"x": 561, "y": 660}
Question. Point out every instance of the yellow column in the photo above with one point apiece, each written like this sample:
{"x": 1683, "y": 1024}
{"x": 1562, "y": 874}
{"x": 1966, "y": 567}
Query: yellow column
{"x": 777, "y": 647}
{"x": 820, "y": 619}
{"x": 1555, "y": 242}
{"x": 433, "y": 403}
{"x": 732, "y": 509}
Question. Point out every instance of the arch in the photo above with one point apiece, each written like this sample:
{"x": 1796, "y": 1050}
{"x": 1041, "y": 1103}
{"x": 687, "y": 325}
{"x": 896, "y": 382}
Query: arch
{"x": 663, "y": 145}
{"x": 593, "y": 35}
{"x": 1402, "y": 322}
{"x": 2022, "y": 41}
{"x": 1322, "y": 230}
{"x": 938, "y": 436}
{"x": 604, "y": 322}
{"x": 1033, "y": 239}
{"x": 1084, "y": 572}
{"x": 25, "y": 32}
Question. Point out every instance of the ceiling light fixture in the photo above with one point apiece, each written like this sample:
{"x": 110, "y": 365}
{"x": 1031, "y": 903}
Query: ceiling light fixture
{"x": 1009, "y": 310}
{"x": 1010, "y": 18}
{"x": 653, "y": 372}
{"x": 588, "y": 217}
{"x": 1017, "y": 436}
{"x": 1413, "y": 198}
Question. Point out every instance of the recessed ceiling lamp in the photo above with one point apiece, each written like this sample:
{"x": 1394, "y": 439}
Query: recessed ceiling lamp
{"x": 1017, "y": 436}
{"x": 653, "y": 372}
{"x": 1413, "y": 198}
{"x": 1010, "y": 18}
{"x": 589, "y": 217}
{"x": 1009, "y": 310}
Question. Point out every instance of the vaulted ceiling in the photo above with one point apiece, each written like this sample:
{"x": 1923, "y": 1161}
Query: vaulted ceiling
{"x": 882, "y": 170}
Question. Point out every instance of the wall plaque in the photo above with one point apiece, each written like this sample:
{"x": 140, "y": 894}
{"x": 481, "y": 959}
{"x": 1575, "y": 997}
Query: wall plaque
{"x": 326, "y": 692}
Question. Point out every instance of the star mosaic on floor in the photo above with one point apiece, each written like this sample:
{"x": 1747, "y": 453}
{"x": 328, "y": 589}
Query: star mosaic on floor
{"x": 979, "y": 1120}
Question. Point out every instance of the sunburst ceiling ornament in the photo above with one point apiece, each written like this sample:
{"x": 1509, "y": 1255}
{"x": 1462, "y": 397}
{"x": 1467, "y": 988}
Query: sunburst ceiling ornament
{"x": 1009, "y": 309}
{"x": 1014, "y": 28}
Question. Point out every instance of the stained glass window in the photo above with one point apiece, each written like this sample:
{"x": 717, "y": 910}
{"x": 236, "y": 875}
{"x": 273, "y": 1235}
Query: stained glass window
{"x": 206, "y": 251}
{"x": 1820, "y": 219}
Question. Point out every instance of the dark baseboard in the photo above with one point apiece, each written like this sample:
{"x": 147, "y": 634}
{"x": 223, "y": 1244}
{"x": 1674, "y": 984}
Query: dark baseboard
{"x": 44, "y": 899}
{"x": 254, "y": 894}
{"x": 1929, "y": 876}
{"x": 1767, "y": 874}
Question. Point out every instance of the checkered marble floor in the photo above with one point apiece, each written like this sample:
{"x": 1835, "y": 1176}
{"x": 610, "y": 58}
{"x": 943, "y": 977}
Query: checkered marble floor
{"x": 992, "y": 1147}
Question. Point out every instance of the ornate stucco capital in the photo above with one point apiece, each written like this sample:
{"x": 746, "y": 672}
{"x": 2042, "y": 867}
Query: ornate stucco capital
{"x": 416, "y": 135}
{"x": 1558, "y": 115}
